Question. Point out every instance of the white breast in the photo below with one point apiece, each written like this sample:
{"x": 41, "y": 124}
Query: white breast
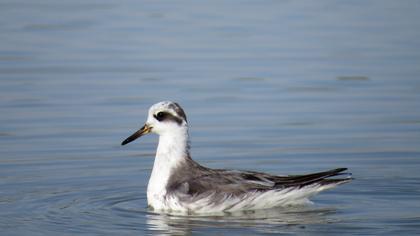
{"x": 170, "y": 153}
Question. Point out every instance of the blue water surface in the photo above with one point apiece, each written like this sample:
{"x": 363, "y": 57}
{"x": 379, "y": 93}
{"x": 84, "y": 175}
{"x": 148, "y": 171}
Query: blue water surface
{"x": 285, "y": 87}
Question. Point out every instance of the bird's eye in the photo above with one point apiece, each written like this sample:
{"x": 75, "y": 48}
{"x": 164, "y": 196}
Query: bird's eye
{"x": 159, "y": 116}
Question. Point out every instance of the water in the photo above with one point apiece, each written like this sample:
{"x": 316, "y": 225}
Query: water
{"x": 277, "y": 86}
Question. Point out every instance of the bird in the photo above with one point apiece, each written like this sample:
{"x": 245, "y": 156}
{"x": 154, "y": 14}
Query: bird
{"x": 180, "y": 184}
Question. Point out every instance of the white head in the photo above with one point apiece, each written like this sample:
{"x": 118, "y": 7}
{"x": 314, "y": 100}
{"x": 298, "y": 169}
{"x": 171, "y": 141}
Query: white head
{"x": 164, "y": 118}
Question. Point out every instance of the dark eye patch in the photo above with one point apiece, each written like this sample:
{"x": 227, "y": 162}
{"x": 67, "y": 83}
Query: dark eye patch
{"x": 161, "y": 116}
{"x": 165, "y": 116}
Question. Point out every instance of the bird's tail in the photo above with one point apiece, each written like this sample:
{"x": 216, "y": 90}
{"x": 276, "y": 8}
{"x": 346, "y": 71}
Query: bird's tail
{"x": 328, "y": 179}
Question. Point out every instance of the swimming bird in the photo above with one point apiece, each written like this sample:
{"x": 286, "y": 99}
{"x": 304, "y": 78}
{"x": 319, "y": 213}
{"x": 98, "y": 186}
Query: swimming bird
{"x": 180, "y": 184}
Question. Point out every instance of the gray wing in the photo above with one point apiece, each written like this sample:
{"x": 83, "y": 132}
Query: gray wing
{"x": 239, "y": 182}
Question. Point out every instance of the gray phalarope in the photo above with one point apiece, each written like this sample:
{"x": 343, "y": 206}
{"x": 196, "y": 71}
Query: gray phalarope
{"x": 178, "y": 183}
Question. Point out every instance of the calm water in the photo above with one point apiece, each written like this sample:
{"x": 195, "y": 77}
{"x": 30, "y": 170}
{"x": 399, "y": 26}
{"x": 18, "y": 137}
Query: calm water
{"x": 277, "y": 86}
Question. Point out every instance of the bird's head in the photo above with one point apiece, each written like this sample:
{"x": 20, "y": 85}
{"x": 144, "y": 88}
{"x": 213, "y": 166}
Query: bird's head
{"x": 163, "y": 118}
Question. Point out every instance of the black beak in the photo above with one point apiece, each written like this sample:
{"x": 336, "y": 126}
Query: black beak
{"x": 142, "y": 131}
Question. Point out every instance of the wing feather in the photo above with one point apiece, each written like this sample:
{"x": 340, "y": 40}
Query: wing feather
{"x": 239, "y": 182}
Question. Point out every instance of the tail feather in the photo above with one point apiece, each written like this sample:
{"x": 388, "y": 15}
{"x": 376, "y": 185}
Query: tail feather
{"x": 322, "y": 178}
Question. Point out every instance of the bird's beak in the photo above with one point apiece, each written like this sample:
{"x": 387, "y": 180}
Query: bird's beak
{"x": 142, "y": 131}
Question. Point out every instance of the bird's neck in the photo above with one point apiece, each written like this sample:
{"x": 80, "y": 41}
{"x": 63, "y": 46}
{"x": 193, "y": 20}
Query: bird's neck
{"x": 172, "y": 152}
{"x": 173, "y": 147}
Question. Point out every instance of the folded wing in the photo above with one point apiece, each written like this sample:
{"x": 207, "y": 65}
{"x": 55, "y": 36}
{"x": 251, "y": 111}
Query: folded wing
{"x": 239, "y": 182}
